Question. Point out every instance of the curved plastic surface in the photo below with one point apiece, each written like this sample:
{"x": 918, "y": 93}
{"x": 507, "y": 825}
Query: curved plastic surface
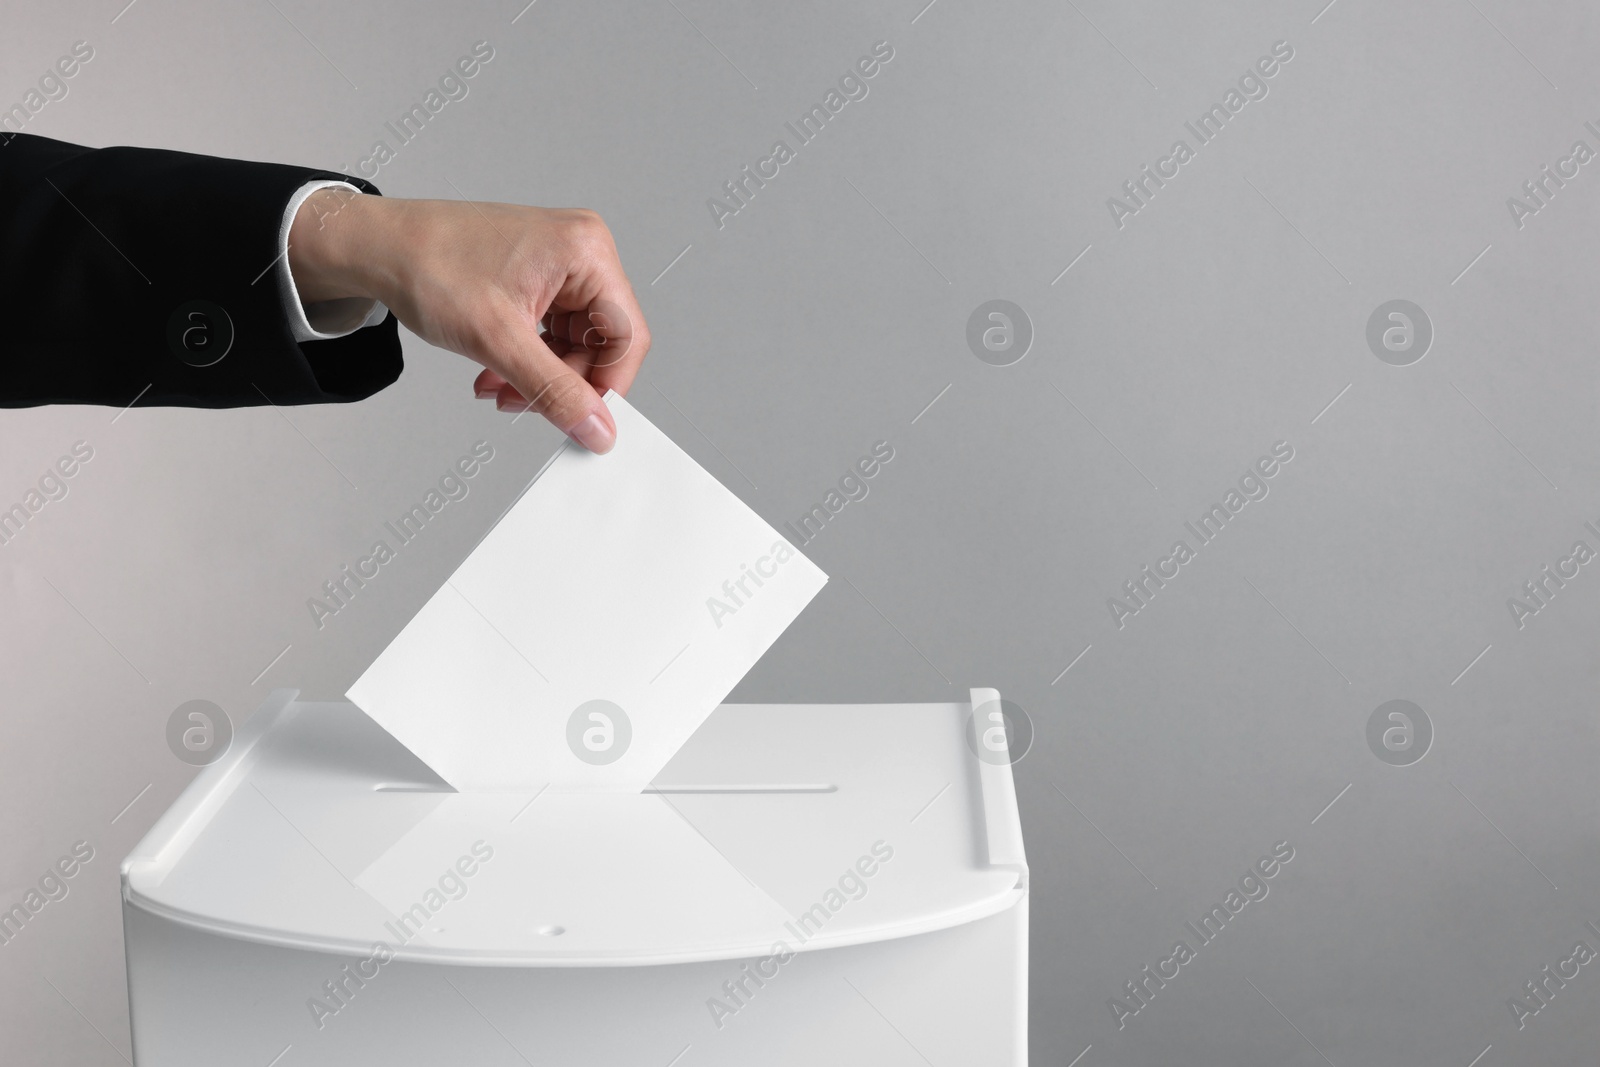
{"x": 814, "y": 825}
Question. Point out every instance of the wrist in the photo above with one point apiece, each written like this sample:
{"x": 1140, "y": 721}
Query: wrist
{"x": 330, "y": 245}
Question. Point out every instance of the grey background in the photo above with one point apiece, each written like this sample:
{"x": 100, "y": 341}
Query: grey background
{"x": 827, "y": 315}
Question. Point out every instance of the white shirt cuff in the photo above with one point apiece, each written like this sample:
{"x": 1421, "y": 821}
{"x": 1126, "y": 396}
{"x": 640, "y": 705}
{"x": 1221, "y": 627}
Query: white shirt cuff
{"x": 325, "y": 319}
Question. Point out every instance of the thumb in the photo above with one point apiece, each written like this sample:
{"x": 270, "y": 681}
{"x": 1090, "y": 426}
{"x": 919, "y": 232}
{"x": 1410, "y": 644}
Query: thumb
{"x": 539, "y": 380}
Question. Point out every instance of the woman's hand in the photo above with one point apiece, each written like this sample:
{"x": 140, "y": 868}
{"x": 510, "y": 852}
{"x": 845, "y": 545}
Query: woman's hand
{"x": 484, "y": 280}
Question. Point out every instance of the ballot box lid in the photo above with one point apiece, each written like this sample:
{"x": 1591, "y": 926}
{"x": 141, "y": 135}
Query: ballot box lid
{"x": 791, "y": 827}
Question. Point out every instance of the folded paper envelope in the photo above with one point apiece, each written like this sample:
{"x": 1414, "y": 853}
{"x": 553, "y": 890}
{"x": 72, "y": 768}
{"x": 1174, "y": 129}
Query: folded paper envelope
{"x": 594, "y": 628}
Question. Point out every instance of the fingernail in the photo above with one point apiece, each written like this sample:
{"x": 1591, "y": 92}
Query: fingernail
{"x": 592, "y": 433}
{"x": 486, "y": 393}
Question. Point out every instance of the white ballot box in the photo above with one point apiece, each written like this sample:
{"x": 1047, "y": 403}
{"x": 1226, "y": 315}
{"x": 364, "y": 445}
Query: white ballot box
{"x": 801, "y": 885}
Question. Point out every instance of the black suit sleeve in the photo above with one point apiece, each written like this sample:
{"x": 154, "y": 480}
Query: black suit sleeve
{"x": 103, "y": 255}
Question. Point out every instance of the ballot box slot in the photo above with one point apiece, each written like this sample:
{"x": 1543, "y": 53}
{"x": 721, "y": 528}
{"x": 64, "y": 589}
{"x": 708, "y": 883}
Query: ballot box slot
{"x": 744, "y": 789}
{"x": 812, "y": 787}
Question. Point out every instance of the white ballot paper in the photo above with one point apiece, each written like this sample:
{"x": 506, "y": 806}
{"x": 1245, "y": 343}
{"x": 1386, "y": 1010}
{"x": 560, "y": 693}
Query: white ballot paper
{"x": 599, "y": 623}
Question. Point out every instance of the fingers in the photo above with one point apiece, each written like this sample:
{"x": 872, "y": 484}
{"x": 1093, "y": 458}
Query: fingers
{"x": 594, "y": 338}
{"x": 491, "y": 386}
{"x": 508, "y": 398}
{"x": 487, "y": 384}
{"x": 616, "y": 316}
{"x": 598, "y": 311}
{"x": 533, "y": 377}
{"x": 611, "y": 347}
{"x": 603, "y": 329}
